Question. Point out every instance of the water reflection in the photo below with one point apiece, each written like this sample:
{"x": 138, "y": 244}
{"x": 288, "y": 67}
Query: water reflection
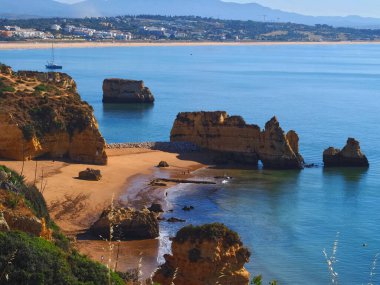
{"x": 349, "y": 174}
{"x": 127, "y": 110}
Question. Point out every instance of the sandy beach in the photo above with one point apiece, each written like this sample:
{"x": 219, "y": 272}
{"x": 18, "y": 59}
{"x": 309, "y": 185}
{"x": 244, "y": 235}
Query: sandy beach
{"x": 47, "y": 45}
{"x": 75, "y": 204}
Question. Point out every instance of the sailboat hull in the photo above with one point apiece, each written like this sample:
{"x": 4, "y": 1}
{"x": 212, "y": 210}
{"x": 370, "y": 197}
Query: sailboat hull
{"x": 53, "y": 67}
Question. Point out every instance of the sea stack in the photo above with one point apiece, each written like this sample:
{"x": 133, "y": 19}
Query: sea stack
{"x": 234, "y": 140}
{"x": 208, "y": 254}
{"x": 349, "y": 156}
{"x": 126, "y": 91}
{"x": 42, "y": 115}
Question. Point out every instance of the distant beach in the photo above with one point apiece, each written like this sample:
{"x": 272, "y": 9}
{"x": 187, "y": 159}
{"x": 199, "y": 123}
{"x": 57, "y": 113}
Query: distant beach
{"x": 46, "y": 45}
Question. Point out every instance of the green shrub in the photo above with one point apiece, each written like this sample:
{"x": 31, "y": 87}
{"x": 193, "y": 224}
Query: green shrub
{"x": 211, "y": 232}
{"x": 37, "y": 261}
{"x": 12, "y": 201}
{"x": 32, "y": 195}
{"x": 41, "y": 88}
{"x": 7, "y": 89}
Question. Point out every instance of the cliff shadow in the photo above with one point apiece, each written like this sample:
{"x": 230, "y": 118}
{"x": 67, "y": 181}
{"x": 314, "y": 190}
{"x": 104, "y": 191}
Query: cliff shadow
{"x": 217, "y": 161}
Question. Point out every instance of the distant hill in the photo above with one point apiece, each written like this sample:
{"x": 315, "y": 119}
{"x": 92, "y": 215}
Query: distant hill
{"x": 204, "y": 8}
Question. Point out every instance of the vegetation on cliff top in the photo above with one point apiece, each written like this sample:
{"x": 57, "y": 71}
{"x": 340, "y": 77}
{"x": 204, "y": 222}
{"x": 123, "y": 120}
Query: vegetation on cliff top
{"x": 208, "y": 232}
{"x": 31, "y": 195}
{"x": 42, "y": 103}
{"x": 26, "y": 259}
{"x": 32, "y": 260}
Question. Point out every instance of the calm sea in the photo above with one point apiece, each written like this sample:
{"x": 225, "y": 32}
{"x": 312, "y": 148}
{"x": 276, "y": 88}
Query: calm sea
{"x": 286, "y": 218}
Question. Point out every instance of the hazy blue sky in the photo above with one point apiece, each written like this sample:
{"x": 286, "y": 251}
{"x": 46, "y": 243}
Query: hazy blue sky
{"x": 370, "y": 8}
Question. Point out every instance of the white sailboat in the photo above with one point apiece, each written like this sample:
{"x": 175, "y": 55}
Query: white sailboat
{"x": 51, "y": 64}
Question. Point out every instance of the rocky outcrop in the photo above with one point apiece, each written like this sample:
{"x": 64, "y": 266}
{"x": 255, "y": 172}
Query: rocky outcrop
{"x": 17, "y": 215}
{"x": 126, "y": 91}
{"x": 237, "y": 141}
{"x": 205, "y": 255}
{"x": 156, "y": 208}
{"x": 18, "y": 221}
{"x": 163, "y": 164}
{"x": 349, "y": 156}
{"x": 127, "y": 224}
{"x": 90, "y": 174}
{"x": 42, "y": 115}
{"x": 4, "y": 227}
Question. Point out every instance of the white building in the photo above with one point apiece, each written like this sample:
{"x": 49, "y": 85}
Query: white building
{"x": 55, "y": 27}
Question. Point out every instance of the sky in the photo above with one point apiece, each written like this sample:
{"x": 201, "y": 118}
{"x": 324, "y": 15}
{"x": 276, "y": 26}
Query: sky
{"x": 366, "y": 8}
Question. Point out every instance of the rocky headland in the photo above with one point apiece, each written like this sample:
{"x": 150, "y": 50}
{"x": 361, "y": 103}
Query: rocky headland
{"x": 205, "y": 255}
{"x": 236, "y": 141}
{"x": 42, "y": 115}
{"x": 350, "y": 156}
{"x": 126, "y": 91}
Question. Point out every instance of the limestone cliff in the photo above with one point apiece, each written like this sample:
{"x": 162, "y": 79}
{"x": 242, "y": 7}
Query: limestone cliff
{"x": 350, "y": 156}
{"x": 238, "y": 141}
{"x": 205, "y": 255}
{"x": 126, "y": 91}
{"x": 42, "y": 115}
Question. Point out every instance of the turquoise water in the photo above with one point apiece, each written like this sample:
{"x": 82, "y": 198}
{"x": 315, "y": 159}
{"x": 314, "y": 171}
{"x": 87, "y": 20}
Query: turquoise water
{"x": 325, "y": 93}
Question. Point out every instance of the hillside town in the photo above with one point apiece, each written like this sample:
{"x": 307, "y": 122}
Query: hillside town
{"x": 186, "y": 28}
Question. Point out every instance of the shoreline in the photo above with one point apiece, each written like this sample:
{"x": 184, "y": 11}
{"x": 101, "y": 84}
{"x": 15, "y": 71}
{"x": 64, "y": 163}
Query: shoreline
{"x": 128, "y": 172}
{"x": 76, "y": 44}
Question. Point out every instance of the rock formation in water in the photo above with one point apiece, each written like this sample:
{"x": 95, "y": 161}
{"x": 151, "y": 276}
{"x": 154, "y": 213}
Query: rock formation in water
{"x": 126, "y": 91}
{"x": 127, "y": 223}
{"x": 205, "y": 255}
{"x": 237, "y": 141}
{"x": 349, "y": 156}
{"x": 42, "y": 115}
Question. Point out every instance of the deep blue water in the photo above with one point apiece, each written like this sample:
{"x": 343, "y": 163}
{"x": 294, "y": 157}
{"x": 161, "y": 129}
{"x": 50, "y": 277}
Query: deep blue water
{"x": 325, "y": 93}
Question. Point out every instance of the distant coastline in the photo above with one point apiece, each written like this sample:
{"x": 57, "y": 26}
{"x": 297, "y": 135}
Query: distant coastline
{"x": 83, "y": 44}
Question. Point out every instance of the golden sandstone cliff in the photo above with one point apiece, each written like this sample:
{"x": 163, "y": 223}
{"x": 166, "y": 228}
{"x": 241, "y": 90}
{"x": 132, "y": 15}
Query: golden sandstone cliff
{"x": 205, "y": 255}
{"x": 42, "y": 115}
{"x": 350, "y": 156}
{"x": 237, "y": 141}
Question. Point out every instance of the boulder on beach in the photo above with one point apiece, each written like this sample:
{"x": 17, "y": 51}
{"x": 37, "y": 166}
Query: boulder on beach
{"x": 156, "y": 208}
{"x": 117, "y": 90}
{"x": 90, "y": 174}
{"x": 127, "y": 224}
{"x": 208, "y": 254}
{"x": 349, "y": 156}
{"x": 163, "y": 164}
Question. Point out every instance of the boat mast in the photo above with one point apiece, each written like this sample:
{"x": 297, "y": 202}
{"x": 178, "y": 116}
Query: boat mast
{"x": 52, "y": 52}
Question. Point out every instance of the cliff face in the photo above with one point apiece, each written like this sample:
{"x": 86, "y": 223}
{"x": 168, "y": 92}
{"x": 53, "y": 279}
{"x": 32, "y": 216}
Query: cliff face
{"x": 350, "y": 156}
{"x": 126, "y": 91}
{"x": 206, "y": 255}
{"x": 238, "y": 141}
{"x": 41, "y": 114}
